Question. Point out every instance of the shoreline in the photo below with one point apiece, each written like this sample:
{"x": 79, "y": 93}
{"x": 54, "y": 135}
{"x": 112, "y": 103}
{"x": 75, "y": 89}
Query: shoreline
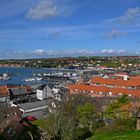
{"x": 43, "y": 68}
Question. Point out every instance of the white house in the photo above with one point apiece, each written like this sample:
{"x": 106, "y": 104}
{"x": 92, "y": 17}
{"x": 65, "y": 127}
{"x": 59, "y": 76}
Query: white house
{"x": 43, "y": 92}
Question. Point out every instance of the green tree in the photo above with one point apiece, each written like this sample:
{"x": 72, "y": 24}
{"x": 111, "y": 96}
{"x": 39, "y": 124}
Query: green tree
{"x": 112, "y": 110}
{"x": 123, "y": 99}
{"x": 53, "y": 122}
{"x": 86, "y": 116}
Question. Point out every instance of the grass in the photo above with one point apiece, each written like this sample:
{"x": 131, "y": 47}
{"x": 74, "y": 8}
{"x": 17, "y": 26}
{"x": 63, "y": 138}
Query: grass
{"x": 129, "y": 135}
{"x": 40, "y": 123}
{"x": 126, "y": 135}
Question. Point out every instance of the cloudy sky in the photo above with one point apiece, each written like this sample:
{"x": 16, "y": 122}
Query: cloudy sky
{"x": 51, "y": 28}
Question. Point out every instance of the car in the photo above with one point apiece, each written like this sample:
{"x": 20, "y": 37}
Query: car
{"x": 30, "y": 118}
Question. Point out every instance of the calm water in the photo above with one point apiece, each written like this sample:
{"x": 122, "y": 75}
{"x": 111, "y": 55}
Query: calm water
{"x": 18, "y": 74}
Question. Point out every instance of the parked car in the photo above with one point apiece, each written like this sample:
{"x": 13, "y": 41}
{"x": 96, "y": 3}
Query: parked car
{"x": 30, "y": 118}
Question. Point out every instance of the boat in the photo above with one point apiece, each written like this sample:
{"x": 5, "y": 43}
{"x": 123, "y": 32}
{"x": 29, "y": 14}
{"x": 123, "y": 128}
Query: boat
{"x": 32, "y": 79}
{"x": 29, "y": 79}
{"x": 5, "y": 77}
{"x": 38, "y": 78}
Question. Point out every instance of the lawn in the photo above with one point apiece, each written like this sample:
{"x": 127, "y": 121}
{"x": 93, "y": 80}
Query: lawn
{"x": 131, "y": 135}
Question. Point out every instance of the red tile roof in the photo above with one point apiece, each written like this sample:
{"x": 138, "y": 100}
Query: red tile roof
{"x": 3, "y": 91}
{"x": 134, "y": 77}
{"x": 27, "y": 88}
{"x": 103, "y": 89}
{"x": 116, "y": 82}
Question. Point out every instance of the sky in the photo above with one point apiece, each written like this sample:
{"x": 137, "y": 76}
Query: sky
{"x": 57, "y": 28}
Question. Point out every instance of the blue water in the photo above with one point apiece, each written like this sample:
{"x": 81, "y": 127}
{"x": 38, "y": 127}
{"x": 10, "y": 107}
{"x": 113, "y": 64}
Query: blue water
{"x": 18, "y": 74}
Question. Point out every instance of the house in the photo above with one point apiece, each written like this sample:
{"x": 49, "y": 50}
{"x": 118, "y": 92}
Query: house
{"x": 50, "y": 91}
{"x": 122, "y": 75}
{"x": 44, "y": 92}
{"x": 100, "y": 91}
{"x": 4, "y": 94}
{"x": 56, "y": 94}
{"x": 59, "y": 93}
{"x": 118, "y": 83}
{"x": 19, "y": 94}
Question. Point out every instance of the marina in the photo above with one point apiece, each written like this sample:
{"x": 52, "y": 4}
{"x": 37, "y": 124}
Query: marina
{"x": 34, "y": 76}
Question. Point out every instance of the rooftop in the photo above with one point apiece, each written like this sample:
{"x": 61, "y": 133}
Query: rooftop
{"x": 117, "y": 82}
{"x": 3, "y": 91}
{"x": 31, "y": 105}
{"x": 103, "y": 89}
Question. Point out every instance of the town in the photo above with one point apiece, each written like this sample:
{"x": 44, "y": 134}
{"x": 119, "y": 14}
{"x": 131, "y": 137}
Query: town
{"x": 96, "y": 81}
{"x": 80, "y": 62}
{"x": 70, "y": 70}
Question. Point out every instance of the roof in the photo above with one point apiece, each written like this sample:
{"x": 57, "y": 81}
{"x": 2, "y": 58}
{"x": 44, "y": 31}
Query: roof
{"x": 89, "y": 88}
{"x": 135, "y": 77}
{"x": 41, "y": 87}
{"x": 32, "y": 105}
{"x": 18, "y": 90}
{"x": 3, "y": 91}
{"x": 97, "y": 89}
{"x": 117, "y": 82}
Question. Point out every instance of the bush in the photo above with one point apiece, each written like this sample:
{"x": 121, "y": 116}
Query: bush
{"x": 82, "y": 133}
{"x": 125, "y": 124}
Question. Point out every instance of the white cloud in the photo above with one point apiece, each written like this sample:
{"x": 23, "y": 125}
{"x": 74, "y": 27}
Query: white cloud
{"x": 66, "y": 53}
{"x": 39, "y": 52}
{"x": 52, "y": 8}
{"x": 121, "y": 51}
{"x": 130, "y": 16}
{"x": 44, "y": 9}
{"x": 110, "y": 52}
{"x": 113, "y": 34}
{"x": 105, "y": 51}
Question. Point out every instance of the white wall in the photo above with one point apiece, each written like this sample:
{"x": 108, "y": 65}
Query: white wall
{"x": 43, "y": 94}
{"x": 39, "y": 94}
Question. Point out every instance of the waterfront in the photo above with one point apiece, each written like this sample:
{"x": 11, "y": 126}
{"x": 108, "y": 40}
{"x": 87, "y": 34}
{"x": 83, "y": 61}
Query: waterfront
{"x": 19, "y": 74}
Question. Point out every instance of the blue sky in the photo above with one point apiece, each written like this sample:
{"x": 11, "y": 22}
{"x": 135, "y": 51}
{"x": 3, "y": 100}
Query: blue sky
{"x": 51, "y": 28}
